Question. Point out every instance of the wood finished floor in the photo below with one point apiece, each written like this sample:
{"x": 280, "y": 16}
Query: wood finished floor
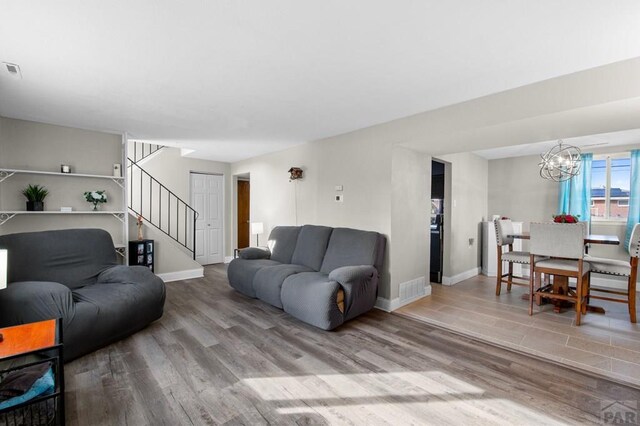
{"x": 606, "y": 344}
{"x": 217, "y": 357}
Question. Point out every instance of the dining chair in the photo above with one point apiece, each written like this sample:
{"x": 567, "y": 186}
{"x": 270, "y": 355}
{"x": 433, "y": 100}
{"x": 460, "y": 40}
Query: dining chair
{"x": 504, "y": 228}
{"x": 619, "y": 268}
{"x": 563, "y": 243}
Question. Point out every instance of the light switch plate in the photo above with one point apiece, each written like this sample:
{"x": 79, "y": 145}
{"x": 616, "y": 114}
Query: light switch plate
{"x": 339, "y": 198}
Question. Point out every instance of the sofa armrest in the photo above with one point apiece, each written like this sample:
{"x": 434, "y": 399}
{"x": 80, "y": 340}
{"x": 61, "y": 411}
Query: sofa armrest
{"x": 360, "y": 285}
{"x": 255, "y": 253}
{"x": 31, "y": 301}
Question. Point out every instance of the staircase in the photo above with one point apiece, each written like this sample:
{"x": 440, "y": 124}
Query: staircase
{"x": 142, "y": 151}
{"x": 157, "y": 204}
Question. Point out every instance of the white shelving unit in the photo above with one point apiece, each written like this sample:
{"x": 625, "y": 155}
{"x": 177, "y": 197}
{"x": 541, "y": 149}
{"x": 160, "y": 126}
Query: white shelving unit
{"x": 8, "y": 215}
{"x": 5, "y": 216}
{"x": 7, "y": 173}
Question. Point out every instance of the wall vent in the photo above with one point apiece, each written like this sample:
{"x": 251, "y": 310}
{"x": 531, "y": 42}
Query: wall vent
{"x": 13, "y": 69}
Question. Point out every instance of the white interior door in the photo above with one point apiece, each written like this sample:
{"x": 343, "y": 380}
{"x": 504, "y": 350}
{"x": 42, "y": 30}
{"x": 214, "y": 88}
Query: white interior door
{"x": 206, "y": 198}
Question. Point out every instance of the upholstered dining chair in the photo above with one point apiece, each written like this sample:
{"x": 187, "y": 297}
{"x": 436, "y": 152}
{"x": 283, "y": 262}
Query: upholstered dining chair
{"x": 504, "y": 228}
{"x": 619, "y": 268}
{"x": 563, "y": 243}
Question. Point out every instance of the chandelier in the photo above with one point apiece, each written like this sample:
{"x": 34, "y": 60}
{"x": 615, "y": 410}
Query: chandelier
{"x": 560, "y": 163}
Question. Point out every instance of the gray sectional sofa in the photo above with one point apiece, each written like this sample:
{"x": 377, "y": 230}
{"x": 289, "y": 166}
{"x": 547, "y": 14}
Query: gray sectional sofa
{"x": 73, "y": 274}
{"x": 323, "y": 276}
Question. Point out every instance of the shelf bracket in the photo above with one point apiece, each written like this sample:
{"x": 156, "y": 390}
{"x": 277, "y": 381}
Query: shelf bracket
{"x": 5, "y": 217}
{"x": 119, "y": 216}
{"x": 4, "y": 175}
{"x": 117, "y": 181}
{"x": 122, "y": 251}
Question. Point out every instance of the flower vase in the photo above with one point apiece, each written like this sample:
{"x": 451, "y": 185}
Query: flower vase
{"x": 95, "y": 206}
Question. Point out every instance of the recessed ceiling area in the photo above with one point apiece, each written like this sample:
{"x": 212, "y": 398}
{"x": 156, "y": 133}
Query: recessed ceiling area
{"x": 232, "y": 80}
{"x": 585, "y": 143}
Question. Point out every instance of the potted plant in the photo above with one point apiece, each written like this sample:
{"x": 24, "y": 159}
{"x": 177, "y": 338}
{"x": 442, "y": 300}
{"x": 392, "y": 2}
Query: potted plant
{"x": 95, "y": 197}
{"x": 35, "y": 195}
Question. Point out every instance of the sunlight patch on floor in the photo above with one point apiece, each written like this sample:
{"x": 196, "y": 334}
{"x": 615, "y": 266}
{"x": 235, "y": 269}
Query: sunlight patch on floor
{"x": 360, "y": 385}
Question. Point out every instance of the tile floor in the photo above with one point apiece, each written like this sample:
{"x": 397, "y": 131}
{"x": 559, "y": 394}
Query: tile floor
{"x": 607, "y": 344}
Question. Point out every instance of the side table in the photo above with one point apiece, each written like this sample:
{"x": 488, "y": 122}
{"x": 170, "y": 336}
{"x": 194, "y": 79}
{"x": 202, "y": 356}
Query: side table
{"x": 28, "y": 345}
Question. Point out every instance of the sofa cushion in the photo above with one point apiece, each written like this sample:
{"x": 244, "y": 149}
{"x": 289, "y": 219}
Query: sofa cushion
{"x": 349, "y": 247}
{"x": 313, "y": 298}
{"x": 268, "y": 281}
{"x": 311, "y": 246}
{"x": 242, "y": 271}
{"x": 255, "y": 253}
{"x": 73, "y": 257}
{"x": 282, "y": 242}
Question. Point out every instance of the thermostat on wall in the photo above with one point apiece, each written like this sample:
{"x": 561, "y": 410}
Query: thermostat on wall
{"x": 339, "y": 198}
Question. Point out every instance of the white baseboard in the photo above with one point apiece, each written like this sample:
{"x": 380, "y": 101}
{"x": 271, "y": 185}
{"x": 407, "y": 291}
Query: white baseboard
{"x": 410, "y": 292}
{"x": 228, "y": 259}
{"x": 182, "y": 275}
{"x": 461, "y": 276}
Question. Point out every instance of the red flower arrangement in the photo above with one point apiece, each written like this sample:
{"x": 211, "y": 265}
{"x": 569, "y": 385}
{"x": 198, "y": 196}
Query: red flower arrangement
{"x": 566, "y": 218}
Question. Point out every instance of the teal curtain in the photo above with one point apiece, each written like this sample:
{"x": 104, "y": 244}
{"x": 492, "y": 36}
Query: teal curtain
{"x": 575, "y": 194}
{"x": 634, "y": 196}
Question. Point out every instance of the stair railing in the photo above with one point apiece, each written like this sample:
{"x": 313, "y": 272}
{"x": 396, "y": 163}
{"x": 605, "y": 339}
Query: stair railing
{"x": 142, "y": 150}
{"x": 161, "y": 207}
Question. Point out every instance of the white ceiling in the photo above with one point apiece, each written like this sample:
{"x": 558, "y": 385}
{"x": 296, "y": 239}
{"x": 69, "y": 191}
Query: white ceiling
{"x": 600, "y": 141}
{"x": 235, "y": 79}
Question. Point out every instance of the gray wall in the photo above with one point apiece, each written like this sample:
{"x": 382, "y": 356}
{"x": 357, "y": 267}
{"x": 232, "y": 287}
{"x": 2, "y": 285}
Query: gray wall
{"x": 468, "y": 208}
{"x": 173, "y": 170}
{"x": 594, "y": 101}
{"x": 37, "y": 146}
{"x": 410, "y": 207}
{"x": 517, "y": 191}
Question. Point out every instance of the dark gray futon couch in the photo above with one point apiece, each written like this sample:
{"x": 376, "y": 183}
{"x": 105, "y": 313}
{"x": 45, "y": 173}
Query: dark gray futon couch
{"x": 73, "y": 274}
{"x": 323, "y": 276}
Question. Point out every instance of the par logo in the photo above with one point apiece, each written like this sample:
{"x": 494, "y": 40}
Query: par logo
{"x": 619, "y": 413}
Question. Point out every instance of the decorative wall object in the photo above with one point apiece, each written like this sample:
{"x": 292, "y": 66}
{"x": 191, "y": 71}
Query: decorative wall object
{"x": 560, "y": 163}
{"x": 64, "y": 168}
{"x": 295, "y": 173}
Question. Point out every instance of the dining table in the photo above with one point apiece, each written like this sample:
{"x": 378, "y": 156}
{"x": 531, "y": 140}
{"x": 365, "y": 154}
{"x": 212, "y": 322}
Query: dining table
{"x": 561, "y": 284}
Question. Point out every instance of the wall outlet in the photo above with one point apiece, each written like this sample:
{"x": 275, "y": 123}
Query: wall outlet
{"x": 339, "y": 198}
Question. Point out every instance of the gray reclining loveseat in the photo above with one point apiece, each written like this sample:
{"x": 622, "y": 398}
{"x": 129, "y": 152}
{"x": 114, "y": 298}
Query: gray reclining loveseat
{"x": 323, "y": 276}
{"x": 73, "y": 274}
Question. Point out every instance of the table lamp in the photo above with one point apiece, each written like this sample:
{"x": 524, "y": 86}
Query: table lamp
{"x": 3, "y": 275}
{"x": 257, "y": 228}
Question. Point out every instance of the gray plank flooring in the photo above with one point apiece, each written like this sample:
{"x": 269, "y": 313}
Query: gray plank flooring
{"x": 217, "y": 357}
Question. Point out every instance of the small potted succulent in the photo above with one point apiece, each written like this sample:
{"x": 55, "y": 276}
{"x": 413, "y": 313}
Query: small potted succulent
{"x": 95, "y": 197}
{"x": 35, "y": 195}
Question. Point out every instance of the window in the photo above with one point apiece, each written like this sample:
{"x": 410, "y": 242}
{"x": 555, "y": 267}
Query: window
{"x": 610, "y": 183}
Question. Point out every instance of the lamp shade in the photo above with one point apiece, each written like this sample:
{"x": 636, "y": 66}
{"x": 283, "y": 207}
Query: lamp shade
{"x": 257, "y": 228}
{"x": 3, "y": 269}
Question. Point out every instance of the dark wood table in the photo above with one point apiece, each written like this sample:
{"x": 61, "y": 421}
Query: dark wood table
{"x": 561, "y": 284}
